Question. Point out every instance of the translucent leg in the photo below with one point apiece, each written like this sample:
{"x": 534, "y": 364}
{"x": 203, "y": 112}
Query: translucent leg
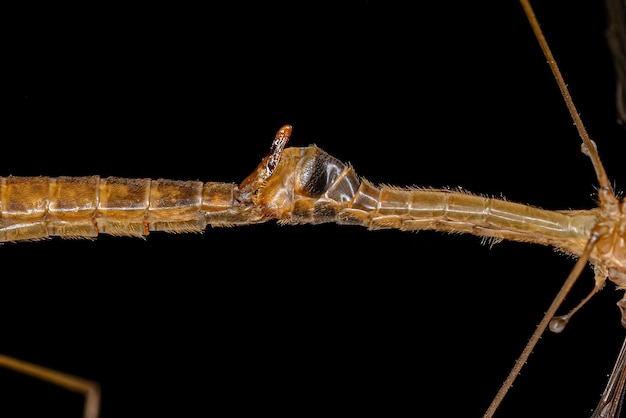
{"x": 612, "y": 399}
{"x": 90, "y": 389}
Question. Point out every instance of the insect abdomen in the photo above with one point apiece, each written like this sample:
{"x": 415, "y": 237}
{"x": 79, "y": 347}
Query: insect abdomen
{"x": 33, "y": 208}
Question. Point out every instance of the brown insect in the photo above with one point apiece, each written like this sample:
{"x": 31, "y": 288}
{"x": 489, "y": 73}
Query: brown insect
{"x": 270, "y": 263}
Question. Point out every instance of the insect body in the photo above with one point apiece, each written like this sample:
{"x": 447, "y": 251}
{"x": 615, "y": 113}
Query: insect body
{"x": 331, "y": 327}
{"x": 299, "y": 186}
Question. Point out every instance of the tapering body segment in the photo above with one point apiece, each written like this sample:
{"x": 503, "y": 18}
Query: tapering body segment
{"x": 310, "y": 186}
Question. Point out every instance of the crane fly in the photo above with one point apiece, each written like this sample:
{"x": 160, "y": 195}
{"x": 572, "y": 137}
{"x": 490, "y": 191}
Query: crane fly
{"x": 351, "y": 327}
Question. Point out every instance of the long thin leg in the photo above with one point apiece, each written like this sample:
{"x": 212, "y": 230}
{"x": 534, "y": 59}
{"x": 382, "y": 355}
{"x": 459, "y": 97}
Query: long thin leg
{"x": 612, "y": 398}
{"x": 547, "y": 318}
{"x": 90, "y": 389}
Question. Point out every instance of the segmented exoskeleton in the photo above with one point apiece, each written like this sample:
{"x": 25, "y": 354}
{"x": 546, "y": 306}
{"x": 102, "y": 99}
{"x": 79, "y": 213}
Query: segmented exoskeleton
{"x": 314, "y": 189}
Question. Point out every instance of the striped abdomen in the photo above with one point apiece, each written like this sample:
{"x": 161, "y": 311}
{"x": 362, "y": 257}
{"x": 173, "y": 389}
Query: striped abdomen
{"x": 33, "y": 208}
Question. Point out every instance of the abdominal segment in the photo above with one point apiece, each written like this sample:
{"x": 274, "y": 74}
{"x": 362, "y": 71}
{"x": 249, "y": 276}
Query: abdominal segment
{"x": 34, "y": 208}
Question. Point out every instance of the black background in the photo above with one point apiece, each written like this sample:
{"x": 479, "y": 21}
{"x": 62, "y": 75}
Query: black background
{"x": 326, "y": 319}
